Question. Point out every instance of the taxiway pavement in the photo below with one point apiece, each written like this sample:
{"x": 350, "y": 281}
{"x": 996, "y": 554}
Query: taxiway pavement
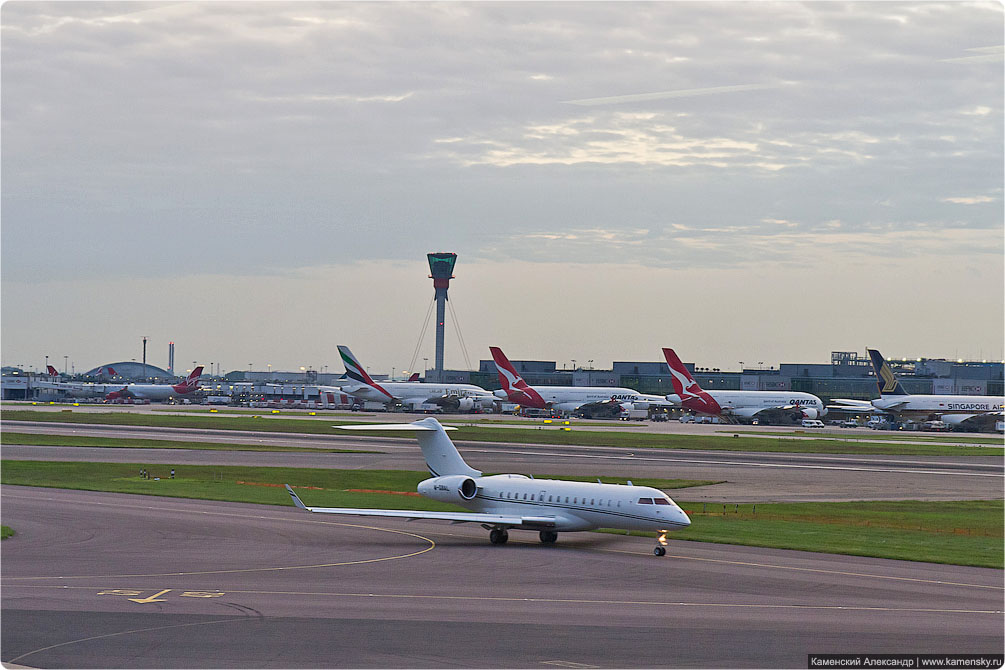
{"x": 747, "y": 476}
{"x": 112, "y": 580}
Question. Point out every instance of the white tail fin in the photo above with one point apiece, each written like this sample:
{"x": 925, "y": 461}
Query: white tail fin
{"x": 441, "y": 455}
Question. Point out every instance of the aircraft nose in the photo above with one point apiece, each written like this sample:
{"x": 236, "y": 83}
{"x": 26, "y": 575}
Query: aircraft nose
{"x": 685, "y": 520}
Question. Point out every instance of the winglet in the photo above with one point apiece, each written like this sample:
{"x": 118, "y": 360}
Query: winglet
{"x": 296, "y": 499}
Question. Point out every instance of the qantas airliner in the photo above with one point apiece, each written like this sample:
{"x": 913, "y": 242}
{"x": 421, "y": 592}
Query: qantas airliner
{"x": 501, "y": 503}
{"x": 737, "y": 404}
{"x": 566, "y": 398}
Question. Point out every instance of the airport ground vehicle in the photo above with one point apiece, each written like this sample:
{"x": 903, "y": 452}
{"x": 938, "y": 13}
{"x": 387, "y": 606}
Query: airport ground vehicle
{"x": 812, "y": 423}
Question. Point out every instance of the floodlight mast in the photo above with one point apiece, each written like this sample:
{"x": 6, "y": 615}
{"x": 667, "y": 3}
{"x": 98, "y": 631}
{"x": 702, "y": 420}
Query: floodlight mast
{"x": 441, "y": 269}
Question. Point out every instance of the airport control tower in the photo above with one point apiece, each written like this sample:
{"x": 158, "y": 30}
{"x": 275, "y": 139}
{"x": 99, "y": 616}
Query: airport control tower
{"x": 441, "y": 271}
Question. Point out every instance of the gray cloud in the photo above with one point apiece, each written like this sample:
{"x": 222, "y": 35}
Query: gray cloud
{"x": 153, "y": 139}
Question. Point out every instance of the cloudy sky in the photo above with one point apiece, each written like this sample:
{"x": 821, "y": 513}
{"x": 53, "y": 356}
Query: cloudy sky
{"x": 259, "y": 182}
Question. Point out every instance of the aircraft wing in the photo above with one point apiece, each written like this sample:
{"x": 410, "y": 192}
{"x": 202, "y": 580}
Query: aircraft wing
{"x": 987, "y": 417}
{"x": 457, "y": 517}
{"x": 852, "y": 405}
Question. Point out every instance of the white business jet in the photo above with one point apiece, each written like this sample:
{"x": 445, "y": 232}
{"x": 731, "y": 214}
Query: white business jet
{"x": 503, "y": 502}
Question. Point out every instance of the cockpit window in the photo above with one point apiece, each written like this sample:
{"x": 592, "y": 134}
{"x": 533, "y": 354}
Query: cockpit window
{"x": 661, "y": 501}
{"x": 645, "y": 501}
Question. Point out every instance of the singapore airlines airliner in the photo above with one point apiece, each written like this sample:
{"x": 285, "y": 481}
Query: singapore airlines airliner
{"x": 501, "y": 503}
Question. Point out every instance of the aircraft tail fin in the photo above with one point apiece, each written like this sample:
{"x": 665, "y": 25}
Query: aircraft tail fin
{"x": 51, "y": 371}
{"x": 414, "y": 377}
{"x": 513, "y": 385}
{"x": 885, "y": 379}
{"x": 442, "y": 457}
{"x": 190, "y": 383}
{"x": 357, "y": 372}
{"x": 680, "y": 377}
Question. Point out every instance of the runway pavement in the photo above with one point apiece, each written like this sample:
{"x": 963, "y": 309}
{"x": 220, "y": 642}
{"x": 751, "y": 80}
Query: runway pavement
{"x": 112, "y": 580}
{"x": 748, "y": 476}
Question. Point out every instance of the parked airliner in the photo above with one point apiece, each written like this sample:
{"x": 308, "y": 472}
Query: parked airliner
{"x": 157, "y": 391}
{"x": 951, "y": 409}
{"x": 501, "y": 503}
{"x": 566, "y": 398}
{"x": 737, "y": 404}
{"x": 452, "y": 397}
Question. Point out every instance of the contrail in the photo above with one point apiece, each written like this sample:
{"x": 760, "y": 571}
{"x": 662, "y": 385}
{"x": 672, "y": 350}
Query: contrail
{"x": 684, "y": 93}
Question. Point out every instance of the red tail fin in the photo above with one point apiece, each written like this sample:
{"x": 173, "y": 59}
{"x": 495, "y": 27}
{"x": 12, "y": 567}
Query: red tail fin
{"x": 687, "y": 389}
{"x": 414, "y": 377}
{"x": 191, "y": 382}
{"x": 52, "y": 371}
{"x": 682, "y": 380}
{"x": 517, "y": 390}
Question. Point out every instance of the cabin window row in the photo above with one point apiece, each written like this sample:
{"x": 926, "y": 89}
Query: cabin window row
{"x": 574, "y": 500}
{"x": 653, "y": 501}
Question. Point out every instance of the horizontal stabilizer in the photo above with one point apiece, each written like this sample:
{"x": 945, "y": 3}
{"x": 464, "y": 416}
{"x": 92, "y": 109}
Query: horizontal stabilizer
{"x": 395, "y": 426}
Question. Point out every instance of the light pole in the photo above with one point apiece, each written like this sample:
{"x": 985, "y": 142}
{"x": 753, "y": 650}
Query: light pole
{"x": 66, "y": 360}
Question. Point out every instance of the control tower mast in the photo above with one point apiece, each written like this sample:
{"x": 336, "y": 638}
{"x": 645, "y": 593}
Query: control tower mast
{"x": 441, "y": 269}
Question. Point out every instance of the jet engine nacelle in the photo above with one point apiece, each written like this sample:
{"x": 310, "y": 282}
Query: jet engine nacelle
{"x": 451, "y": 489}
{"x": 454, "y": 403}
{"x": 809, "y": 412}
{"x": 629, "y": 406}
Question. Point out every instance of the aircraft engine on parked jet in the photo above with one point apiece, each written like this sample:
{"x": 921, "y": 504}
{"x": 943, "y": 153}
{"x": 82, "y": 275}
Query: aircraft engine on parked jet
{"x": 455, "y": 403}
{"x": 451, "y": 489}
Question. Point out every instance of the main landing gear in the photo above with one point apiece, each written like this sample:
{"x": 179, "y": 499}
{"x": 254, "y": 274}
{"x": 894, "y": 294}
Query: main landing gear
{"x": 548, "y": 536}
{"x": 661, "y": 549}
{"x": 498, "y": 536}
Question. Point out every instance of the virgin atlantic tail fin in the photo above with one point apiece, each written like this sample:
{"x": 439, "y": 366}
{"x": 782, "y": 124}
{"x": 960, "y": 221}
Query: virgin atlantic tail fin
{"x": 53, "y": 372}
{"x": 191, "y": 383}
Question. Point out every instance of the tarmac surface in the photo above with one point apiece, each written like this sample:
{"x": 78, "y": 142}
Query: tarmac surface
{"x": 112, "y": 580}
{"x": 746, "y": 476}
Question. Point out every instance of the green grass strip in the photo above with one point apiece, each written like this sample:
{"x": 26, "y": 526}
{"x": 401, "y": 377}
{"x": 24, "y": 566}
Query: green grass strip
{"x": 962, "y": 533}
{"x": 43, "y": 440}
{"x": 956, "y": 532}
{"x": 547, "y": 436}
{"x": 260, "y": 484}
{"x": 5, "y": 532}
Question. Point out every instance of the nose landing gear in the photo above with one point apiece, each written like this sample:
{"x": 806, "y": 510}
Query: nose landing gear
{"x": 660, "y": 549}
{"x": 548, "y": 536}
